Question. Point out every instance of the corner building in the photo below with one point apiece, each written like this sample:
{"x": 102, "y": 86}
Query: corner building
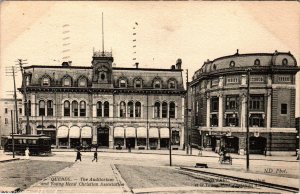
{"x": 219, "y": 90}
{"x": 105, "y": 105}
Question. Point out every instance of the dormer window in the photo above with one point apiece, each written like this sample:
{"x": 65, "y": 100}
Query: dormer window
{"x": 284, "y": 62}
{"x": 67, "y": 81}
{"x": 46, "y": 81}
{"x": 257, "y": 62}
{"x": 157, "y": 84}
{"x": 232, "y": 64}
{"x": 172, "y": 84}
{"x": 138, "y": 83}
{"x": 122, "y": 83}
{"x": 82, "y": 82}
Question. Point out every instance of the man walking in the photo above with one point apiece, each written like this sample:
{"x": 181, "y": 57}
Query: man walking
{"x": 95, "y": 156}
{"x": 78, "y": 156}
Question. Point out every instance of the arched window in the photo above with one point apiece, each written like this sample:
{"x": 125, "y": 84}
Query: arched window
{"x": 123, "y": 83}
{"x": 82, "y": 109}
{"x": 42, "y": 108}
{"x": 257, "y": 62}
{"x": 130, "y": 109}
{"x": 172, "y": 84}
{"x": 122, "y": 109}
{"x": 75, "y": 108}
{"x": 49, "y": 108}
{"x": 45, "y": 81}
{"x": 67, "y": 108}
{"x": 157, "y": 110}
{"x": 164, "y": 110}
{"x": 137, "y": 109}
{"x": 99, "y": 109}
{"x": 67, "y": 81}
{"x": 231, "y": 64}
{"x": 138, "y": 83}
{"x": 172, "y": 110}
{"x": 157, "y": 84}
{"x": 106, "y": 109}
{"x": 82, "y": 82}
{"x": 284, "y": 62}
{"x": 29, "y": 108}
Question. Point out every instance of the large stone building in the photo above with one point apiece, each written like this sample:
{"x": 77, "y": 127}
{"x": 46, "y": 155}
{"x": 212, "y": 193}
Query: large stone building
{"x": 219, "y": 90}
{"x": 105, "y": 105}
{"x": 6, "y": 106}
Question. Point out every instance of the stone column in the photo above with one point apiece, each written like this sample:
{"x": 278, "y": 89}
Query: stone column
{"x": 269, "y": 129}
{"x": 111, "y": 137}
{"x": 94, "y": 110}
{"x": 33, "y": 105}
{"x": 220, "y": 123}
{"x": 208, "y": 111}
{"x": 242, "y": 145}
{"x": 94, "y": 132}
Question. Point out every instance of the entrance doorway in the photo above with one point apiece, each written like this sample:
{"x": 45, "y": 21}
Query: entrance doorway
{"x": 257, "y": 145}
{"x": 130, "y": 142}
{"x": 103, "y": 136}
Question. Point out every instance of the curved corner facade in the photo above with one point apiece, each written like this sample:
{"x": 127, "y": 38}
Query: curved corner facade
{"x": 219, "y": 100}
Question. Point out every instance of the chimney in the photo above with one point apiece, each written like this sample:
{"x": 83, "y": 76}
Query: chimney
{"x": 178, "y": 63}
{"x": 70, "y": 63}
{"x": 137, "y": 65}
{"x": 65, "y": 64}
{"x": 173, "y": 67}
{"x": 237, "y": 51}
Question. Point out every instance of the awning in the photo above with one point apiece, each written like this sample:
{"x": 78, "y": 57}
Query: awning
{"x": 62, "y": 132}
{"x": 141, "y": 132}
{"x": 130, "y": 132}
{"x": 86, "y": 132}
{"x": 153, "y": 133}
{"x": 74, "y": 132}
{"x": 175, "y": 129}
{"x": 118, "y": 132}
{"x": 164, "y": 132}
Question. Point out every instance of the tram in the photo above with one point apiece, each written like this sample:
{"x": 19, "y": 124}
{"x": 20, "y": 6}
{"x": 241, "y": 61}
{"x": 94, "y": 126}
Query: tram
{"x": 37, "y": 144}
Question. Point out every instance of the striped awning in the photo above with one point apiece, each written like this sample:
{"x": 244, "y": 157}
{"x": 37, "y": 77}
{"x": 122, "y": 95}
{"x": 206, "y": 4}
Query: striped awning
{"x": 118, "y": 132}
{"x": 86, "y": 132}
{"x": 62, "y": 132}
{"x": 74, "y": 132}
{"x": 153, "y": 133}
{"x": 130, "y": 132}
{"x": 141, "y": 132}
{"x": 164, "y": 132}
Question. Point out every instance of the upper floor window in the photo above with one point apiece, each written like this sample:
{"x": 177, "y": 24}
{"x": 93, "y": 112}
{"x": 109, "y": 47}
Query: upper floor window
{"x": 130, "y": 109}
{"x": 42, "y": 108}
{"x": 75, "y": 108}
{"x": 257, "y": 62}
{"x": 122, "y": 109}
{"x": 99, "y": 109}
{"x": 232, "y": 102}
{"x": 214, "y": 104}
{"x": 232, "y": 64}
{"x": 284, "y": 78}
{"x": 67, "y": 108}
{"x": 215, "y": 82}
{"x": 284, "y": 62}
{"x": 232, "y": 120}
{"x": 106, "y": 109}
{"x": 67, "y": 81}
{"x": 172, "y": 84}
{"x": 49, "y": 108}
{"x": 82, "y": 109}
{"x": 6, "y": 110}
{"x": 232, "y": 80}
{"x": 214, "y": 120}
{"x": 284, "y": 109}
{"x": 157, "y": 110}
{"x": 164, "y": 110}
{"x": 157, "y": 84}
{"x": 123, "y": 83}
{"x": 45, "y": 81}
{"x": 82, "y": 82}
{"x": 257, "y": 102}
{"x": 256, "y": 79}
{"x": 137, "y": 109}
{"x": 138, "y": 83}
{"x": 256, "y": 120}
{"x": 172, "y": 110}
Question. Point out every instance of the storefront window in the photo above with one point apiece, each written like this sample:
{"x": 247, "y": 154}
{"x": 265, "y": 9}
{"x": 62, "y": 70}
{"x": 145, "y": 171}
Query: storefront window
{"x": 175, "y": 138}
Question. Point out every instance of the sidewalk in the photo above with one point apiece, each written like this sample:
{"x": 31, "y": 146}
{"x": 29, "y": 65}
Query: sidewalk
{"x": 7, "y": 158}
{"x": 286, "y": 158}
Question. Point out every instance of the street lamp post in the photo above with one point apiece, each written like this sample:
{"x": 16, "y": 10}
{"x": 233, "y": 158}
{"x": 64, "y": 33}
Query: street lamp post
{"x": 170, "y": 146}
{"x": 247, "y": 118}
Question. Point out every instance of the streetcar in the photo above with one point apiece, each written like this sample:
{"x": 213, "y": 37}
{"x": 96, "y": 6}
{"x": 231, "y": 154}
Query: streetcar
{"x": 37, "y": 144}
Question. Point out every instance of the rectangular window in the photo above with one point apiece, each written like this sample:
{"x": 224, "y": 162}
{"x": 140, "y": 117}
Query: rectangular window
{"x": 6, "y": 110}
{"x": 20, "y": 110}
{"x": 164, "y": 111}
{"x": 214, "y": 104}
{"x": 175, "y": 138}
{"x": 257, "y": 103}
{"x": 232, "y": 120}
{"x": 232, "y": 102}
{"x": 256, "y": 120}
{"x": 214, "y": 120}
{"x": 285, "y": 78}
{"x": 256, "y": 79}
{"x": 232, "y": 80}
{"x": 283, "y": 108}
{"x": 6, "y": 120}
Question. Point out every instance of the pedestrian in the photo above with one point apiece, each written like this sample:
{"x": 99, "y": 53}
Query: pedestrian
{"x": 95, "y": 156}
{"x": 78, "y": 156}
{"x": 129, "y": 147}
{"x": 27, "y": 153}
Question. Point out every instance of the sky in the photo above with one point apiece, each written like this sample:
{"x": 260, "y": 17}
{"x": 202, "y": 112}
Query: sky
{"x": 165, "y": 31}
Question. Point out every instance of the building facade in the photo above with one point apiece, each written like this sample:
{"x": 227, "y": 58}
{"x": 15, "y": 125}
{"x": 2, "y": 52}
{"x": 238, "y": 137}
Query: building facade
{"x": 105, "y": 105}
{"x": 6, "y": 106}
{"x": 219, "y": 90}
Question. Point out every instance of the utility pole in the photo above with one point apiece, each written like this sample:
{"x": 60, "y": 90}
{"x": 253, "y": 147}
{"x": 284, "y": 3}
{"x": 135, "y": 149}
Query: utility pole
{"x": 12, "y": 133}
{"x": 187, "y": 114}
{"x": 170, "y": 145}
{"x": 247, "y": 118}
{"x": 42, "y": 124}
{"x": 21, "y": 63}
{"x": 11, "y": 71}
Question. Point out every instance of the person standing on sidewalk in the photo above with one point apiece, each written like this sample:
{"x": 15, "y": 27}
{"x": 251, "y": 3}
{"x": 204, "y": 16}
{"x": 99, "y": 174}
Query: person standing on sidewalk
{"x": 129, "y": 147}
{"x": 95, "y": 156}
{"x": 27, "y": 153}
{"x": 78, "y": 155}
